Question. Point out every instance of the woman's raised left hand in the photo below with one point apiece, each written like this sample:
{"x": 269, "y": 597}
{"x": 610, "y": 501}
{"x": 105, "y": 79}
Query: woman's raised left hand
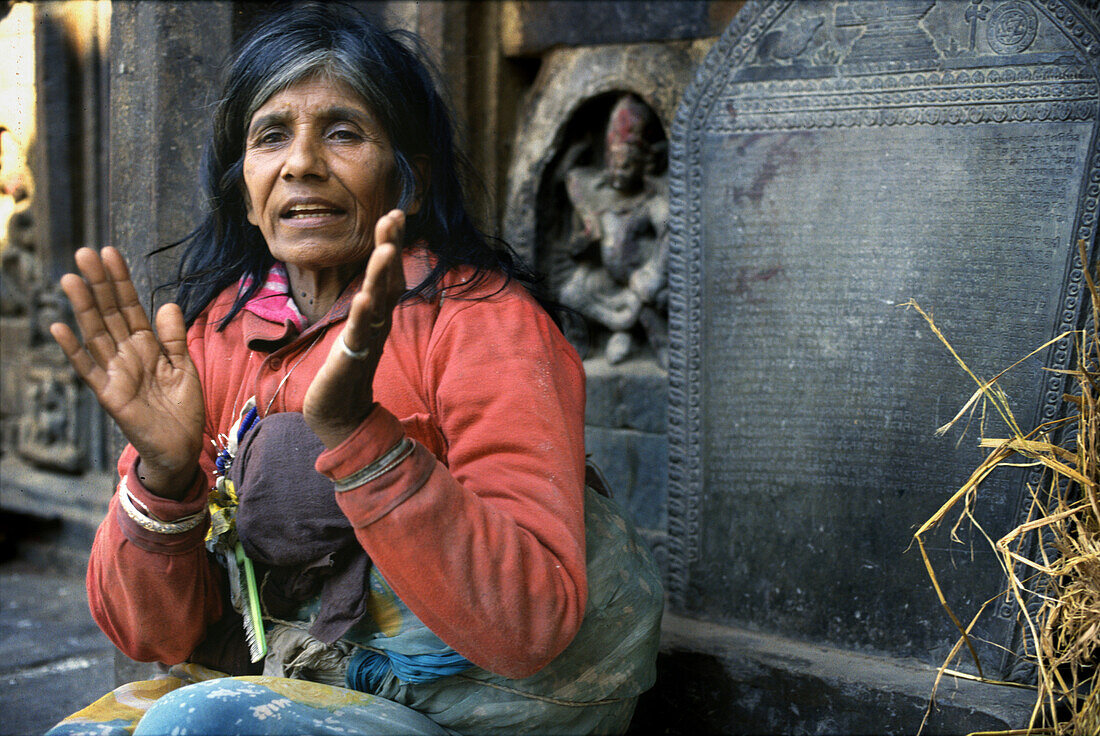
{"x": 341, "y": 394}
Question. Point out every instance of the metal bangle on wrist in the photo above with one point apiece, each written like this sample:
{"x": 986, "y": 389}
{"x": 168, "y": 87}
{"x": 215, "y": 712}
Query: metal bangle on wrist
{"x": 145, "y": 519}
{"x": 390, "y": 460}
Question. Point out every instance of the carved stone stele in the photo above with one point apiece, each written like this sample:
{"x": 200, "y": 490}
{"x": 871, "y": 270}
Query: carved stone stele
{"x": 831, "y": 161}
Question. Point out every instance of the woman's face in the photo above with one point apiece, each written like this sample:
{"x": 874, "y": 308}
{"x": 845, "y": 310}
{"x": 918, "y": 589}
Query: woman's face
{"x": 318, "y": 173}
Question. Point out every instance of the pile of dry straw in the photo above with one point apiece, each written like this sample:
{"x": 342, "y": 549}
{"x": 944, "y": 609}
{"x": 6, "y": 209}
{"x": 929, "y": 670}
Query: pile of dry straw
{"x": 1062, "y": 632}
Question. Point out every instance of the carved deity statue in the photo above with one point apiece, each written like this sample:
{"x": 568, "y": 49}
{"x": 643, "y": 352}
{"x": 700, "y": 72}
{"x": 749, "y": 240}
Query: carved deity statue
{"x": 48, "y": 427}
{"x": 618, "y": 244}
{"x": 19, "y": 271}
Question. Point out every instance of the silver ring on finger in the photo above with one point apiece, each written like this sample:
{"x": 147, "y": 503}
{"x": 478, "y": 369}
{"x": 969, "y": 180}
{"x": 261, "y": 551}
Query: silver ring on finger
{"x": 377, "y": 325}
{"x": 353, "y": 354}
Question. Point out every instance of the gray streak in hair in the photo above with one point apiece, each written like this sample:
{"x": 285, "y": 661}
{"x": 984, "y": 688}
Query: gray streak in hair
{"x": 328, "y": 64}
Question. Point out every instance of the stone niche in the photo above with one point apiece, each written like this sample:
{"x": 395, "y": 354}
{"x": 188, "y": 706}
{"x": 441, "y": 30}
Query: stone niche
{"x": 830, "y": 162}
{"x": 601, "y": 240}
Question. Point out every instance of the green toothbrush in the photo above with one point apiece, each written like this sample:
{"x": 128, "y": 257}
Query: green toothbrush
{"x": 250, "y": 606}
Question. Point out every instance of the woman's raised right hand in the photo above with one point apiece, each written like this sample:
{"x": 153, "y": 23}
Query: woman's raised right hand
{"x": 148, "y": 386}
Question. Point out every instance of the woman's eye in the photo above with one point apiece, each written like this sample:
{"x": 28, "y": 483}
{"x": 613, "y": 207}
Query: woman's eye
{"x": 269, "y": 137}
{"x": 344, "y": 134}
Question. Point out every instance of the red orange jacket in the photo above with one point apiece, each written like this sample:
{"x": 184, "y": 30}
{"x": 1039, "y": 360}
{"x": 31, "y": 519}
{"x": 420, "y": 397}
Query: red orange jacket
{"x": 479, "y": 531}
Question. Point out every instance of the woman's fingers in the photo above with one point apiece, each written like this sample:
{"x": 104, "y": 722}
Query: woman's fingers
{"x": 88, "y": 370}
{"x": 128, "y": 300}
{"x": 105, "y": 303}
{"x": 109, "y": 315}
{"x": 172, "y": 331}
{"x": 389, "y": 232}
{"x": 102, "y": 287}
{"x": 369, "y": 316}
{"x": 390, "y": 228}
{"x": 383, "y": 270}
{"x": 97, "y": 339}
{"x": 385, "y": 277}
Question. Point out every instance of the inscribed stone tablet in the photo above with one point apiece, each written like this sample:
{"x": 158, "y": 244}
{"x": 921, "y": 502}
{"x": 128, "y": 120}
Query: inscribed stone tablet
{"x": 830, "y": 162}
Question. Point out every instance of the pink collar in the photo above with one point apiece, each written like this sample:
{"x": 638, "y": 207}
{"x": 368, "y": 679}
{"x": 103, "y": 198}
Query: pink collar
{"x": 272, "y": 302}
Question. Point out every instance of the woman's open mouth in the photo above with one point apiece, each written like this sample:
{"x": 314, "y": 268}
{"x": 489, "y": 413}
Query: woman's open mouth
{"x": 311, "y": 213}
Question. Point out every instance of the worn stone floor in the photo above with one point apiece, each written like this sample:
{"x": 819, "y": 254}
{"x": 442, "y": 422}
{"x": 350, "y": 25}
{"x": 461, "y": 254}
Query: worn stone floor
{"x": 53, "y": 658}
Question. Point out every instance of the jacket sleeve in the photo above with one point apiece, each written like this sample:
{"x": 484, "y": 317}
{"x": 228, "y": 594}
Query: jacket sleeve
{"x": 154, "y": 594}
{"x": 487, "y": 548}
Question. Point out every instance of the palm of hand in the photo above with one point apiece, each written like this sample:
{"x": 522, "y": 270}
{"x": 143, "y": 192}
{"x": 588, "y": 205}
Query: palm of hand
{"x": 150, "y": 387}
{"x": 158, "y": 404}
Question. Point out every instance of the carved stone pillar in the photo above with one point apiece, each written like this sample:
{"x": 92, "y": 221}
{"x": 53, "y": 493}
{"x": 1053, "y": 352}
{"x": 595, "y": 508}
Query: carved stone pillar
{"x": 164, "y": 61}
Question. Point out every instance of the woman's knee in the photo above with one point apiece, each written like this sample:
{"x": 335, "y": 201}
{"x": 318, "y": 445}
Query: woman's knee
{"x": 219, "y": 707}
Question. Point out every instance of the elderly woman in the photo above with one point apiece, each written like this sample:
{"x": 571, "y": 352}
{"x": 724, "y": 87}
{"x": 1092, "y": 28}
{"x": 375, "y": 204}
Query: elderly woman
{"x": 356, "y": 459}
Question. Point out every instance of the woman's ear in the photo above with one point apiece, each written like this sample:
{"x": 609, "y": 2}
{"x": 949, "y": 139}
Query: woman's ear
{"x": 422, "y": 170}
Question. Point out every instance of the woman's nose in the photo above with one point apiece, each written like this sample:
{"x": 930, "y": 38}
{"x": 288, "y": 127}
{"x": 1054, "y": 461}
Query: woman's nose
{"x": 304, "y": 158}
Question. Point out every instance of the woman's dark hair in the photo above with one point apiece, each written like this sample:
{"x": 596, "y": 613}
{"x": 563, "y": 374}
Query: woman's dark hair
{"x": 389, "y": 70}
